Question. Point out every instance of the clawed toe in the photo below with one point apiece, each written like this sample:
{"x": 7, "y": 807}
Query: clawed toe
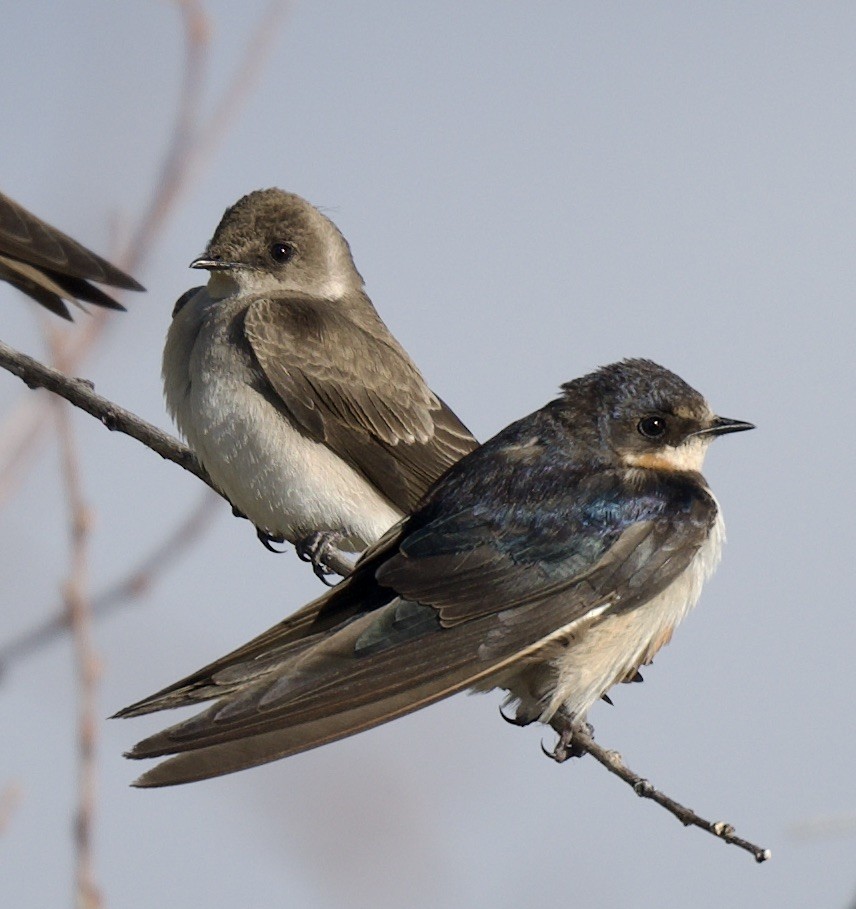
{"x": 267, "y": 540}
{"x": 566, "y": 747}
{"x": 513, "y": 720}
{"x": 314, "y": 549}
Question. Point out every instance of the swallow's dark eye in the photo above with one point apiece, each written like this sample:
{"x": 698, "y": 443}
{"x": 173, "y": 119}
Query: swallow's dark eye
{"x": 280, "y": 251}
{"x": 652, "y": 427}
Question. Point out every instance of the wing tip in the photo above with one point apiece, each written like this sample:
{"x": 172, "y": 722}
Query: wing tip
{"x": 151, "y": 779}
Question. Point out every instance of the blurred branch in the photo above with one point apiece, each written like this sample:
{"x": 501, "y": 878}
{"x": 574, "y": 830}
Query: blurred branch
{"x": 79, "y": 392}
{"x": 614, "y": 763}
{"x": 9, "y": 799}
{"x": 24, "y": 427}
{"x": 86, "y": 661}
{"x": 830, "y": 825}
{"x": 256, "y": 54}
{"x": 190, "y": 143}
{"x": 134, "y": 585}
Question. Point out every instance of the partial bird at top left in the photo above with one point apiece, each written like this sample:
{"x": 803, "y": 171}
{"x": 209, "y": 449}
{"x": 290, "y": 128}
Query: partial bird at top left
{"x": 50, "y": 266}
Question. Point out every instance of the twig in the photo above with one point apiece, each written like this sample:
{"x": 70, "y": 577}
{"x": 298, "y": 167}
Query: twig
{"x": 189, "y": 145}
{"x": 182, "y": 154}
{"x": 255, "y": 56}
{"x": 9, "y": 799}
{"x": 613, "y": 762}
{"x": 829, "y": 825}
{"x": 87, "y": 667}
{"x": 138, "y": 581}
{"x": 79, "y": 392}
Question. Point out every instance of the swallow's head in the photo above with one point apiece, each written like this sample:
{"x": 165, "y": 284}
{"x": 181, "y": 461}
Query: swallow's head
{"x": 271, "y": 240}
{"x": 644, "y": 416}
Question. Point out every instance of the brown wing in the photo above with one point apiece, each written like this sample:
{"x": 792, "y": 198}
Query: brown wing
{"x": 355, "y": 388}
{"x": 50, "y": 266}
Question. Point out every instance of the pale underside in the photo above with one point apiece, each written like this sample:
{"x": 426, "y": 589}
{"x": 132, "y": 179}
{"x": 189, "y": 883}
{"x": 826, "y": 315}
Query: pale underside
{"x": 583, "y": 661}
{"x": 286, "y": 483}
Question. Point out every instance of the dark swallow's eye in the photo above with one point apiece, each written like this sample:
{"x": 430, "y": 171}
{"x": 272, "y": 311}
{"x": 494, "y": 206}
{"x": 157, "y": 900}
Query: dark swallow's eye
{"x": 652, "y": 427}
{"x": 280, "y": 251}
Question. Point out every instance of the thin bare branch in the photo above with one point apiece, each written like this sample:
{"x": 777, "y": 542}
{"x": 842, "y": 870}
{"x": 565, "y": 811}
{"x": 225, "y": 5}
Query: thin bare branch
{"x": 87, "y": 666}
{"x": 614, "y": 763}
{"x": 253, "y": 60}
{"x": 824, "y": 827}
{"x": 10, "y": 798}
{"x": 182, "y": 154}
{"x": 193, "y": 143}
{"x": 190, "y": 144}
{"x": 136, "y": 583}
{"x": 79, "y": 392}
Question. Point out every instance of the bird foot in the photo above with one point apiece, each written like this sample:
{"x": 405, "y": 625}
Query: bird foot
{"x": 268, "y": 539}
{"x": 565, "y": 747}
{"x": 315, "y": 548}
{"x": 513, "y": 720}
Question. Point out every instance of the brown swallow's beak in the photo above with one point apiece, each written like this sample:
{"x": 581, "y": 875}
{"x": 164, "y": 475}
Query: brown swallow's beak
{"x": 212, "y": 264}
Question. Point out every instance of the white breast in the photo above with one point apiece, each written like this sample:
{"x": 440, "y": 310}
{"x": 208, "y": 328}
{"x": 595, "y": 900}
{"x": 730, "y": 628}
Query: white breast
{"x": 284, "y": 482}
{"x": 608, "y": 648}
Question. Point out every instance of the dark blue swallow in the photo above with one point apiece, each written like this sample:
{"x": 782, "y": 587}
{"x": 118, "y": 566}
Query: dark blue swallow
{"x": 551, "y": 562}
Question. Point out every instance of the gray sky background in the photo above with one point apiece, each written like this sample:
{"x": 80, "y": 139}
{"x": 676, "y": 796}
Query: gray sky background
{"x": 530, "y": 190}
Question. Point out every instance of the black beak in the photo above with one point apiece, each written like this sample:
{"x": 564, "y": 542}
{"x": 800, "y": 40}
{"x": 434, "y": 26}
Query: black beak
{"x": 211, "y": 264}
{"x": 719, "y": 426}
